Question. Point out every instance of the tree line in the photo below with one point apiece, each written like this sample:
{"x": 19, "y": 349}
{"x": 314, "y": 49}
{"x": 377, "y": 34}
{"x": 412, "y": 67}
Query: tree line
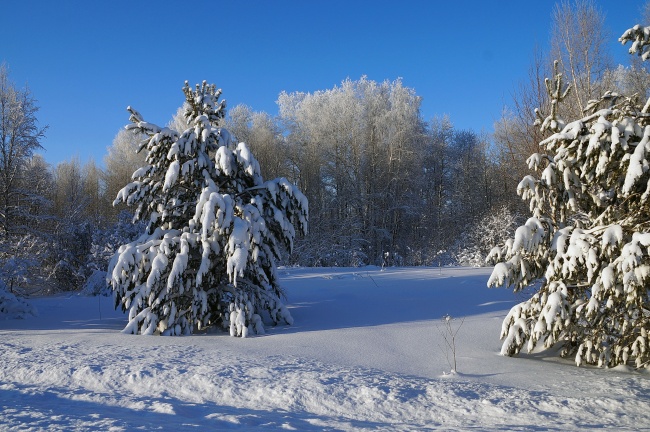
{"x": 385, "y": 185}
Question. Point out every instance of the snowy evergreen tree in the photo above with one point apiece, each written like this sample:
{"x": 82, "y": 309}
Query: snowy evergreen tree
{"x": 588, "y": 239}
{"x": 215, "y": 229}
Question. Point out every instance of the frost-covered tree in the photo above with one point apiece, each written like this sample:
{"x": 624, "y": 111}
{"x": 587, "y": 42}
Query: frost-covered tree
{"x": 354, "y": 149}
{"x": 215, "y": 229}
{"x": 588, "y": 239}
{"x": 106, "y": 242}
{"x": 72, "y": 228}
{"x": 264, "y": 137}
{"x": 24, "y": 264}
{"x": 476, "y": 242}
{"x": 24, "y": 180}
{"x": 20, "y": 137}
{"x": 178, "y": 122}
{"x": 121, "y": 161}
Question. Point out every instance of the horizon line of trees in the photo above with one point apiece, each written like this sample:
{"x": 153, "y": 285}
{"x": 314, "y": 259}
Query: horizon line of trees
{"x": 385, "y": 186}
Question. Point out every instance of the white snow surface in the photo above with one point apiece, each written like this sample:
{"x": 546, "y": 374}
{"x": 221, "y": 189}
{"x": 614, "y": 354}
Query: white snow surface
{"x": 365, "y": 353}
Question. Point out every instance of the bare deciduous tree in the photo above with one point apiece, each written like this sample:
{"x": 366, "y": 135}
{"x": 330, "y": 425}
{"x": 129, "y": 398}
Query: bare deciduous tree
{"x": 578, "y": 42}
{"x": 20, "y": 136}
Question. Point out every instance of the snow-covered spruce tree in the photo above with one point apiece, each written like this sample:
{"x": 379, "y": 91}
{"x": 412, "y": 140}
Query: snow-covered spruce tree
{"x": 588, "y": 239}
{"x": 215, "y": 229}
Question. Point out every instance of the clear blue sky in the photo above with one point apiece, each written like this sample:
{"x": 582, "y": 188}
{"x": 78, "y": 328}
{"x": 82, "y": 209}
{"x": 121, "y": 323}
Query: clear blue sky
{"x": 87, "y": 61}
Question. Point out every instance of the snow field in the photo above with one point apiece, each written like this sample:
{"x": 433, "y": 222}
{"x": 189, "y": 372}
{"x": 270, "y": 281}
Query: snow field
{"x": 364, "y": 354}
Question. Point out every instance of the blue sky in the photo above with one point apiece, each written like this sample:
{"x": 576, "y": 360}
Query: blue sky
{"x": 86, "y": 62}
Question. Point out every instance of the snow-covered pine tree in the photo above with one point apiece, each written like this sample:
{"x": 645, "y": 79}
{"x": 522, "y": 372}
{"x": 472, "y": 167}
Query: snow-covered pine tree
{"x": 215, "y": 229}
{"x": 588, "y": 239}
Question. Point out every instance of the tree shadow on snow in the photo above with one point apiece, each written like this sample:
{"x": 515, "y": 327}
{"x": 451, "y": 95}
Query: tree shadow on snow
{"x": 63, "y": 409}
{"x": 328, "y": 299}
{"x": 319, "y": 299}
{"x": 70, "y": 312}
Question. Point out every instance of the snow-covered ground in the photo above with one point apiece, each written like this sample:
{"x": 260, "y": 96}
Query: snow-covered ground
{"x": 365, "y": 353}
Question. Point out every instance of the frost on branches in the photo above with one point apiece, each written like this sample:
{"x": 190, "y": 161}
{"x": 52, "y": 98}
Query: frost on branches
{"x": 588, "y": 239}
{"x": 215, "y": 229}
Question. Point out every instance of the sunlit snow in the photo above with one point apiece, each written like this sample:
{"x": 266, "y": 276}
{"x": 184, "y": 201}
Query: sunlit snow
{"x": 365, "y": 353}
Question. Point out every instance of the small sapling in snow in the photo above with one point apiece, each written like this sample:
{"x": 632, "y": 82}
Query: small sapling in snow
{"x": 449, "y": 333}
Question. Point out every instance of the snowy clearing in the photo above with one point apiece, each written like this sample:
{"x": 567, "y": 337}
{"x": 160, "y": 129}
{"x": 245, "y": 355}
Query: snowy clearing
{"x": 365, "y": 353}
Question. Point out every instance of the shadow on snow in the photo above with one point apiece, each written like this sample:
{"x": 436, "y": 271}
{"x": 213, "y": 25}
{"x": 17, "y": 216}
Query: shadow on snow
{"x": 319, "y": 299}
{"x": 328, "y": 299}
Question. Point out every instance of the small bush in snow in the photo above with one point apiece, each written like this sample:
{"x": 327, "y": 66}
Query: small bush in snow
{"x": 12, "y": 307}
{"x": 215, "y": 229}
{"x": 448, "y": 334}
